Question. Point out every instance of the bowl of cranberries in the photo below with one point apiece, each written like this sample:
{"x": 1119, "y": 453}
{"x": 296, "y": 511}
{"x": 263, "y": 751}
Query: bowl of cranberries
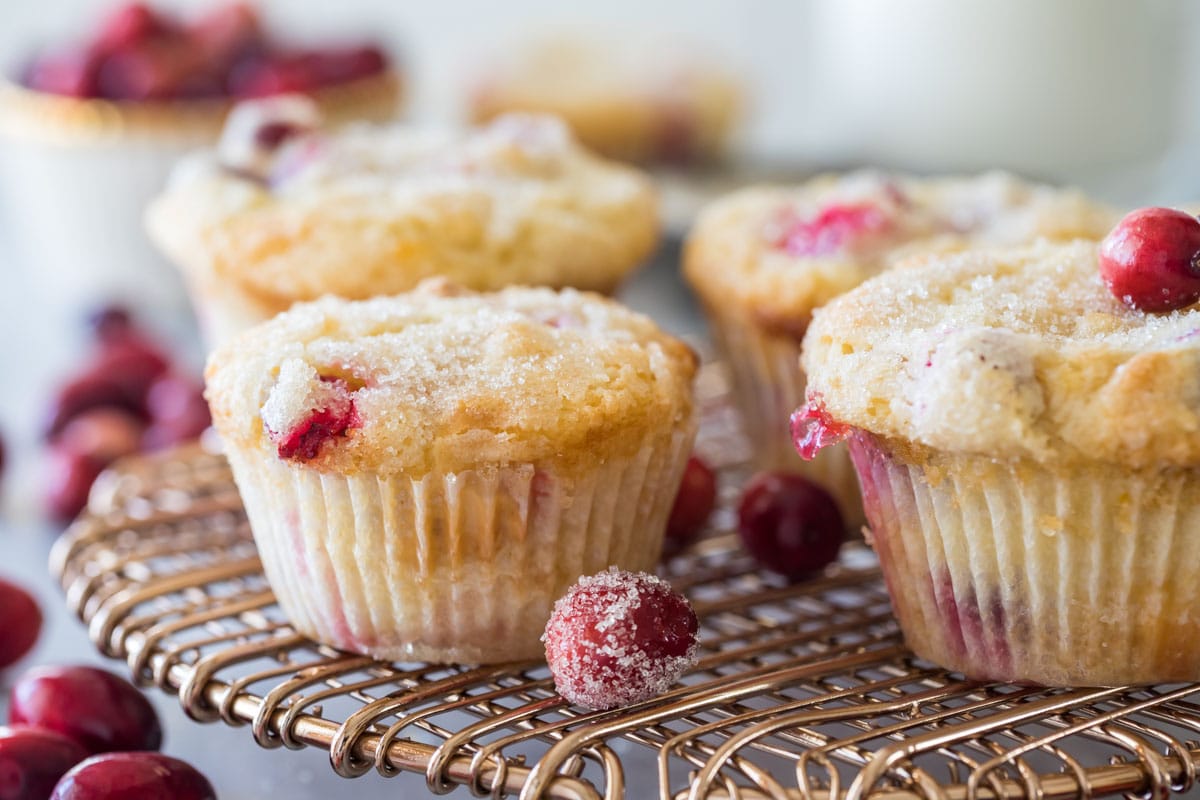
{"x": 92, "y": 126}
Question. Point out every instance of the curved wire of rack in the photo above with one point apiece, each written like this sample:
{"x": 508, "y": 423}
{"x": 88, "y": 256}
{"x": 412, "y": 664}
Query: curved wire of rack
{"x": 801, "y": 691}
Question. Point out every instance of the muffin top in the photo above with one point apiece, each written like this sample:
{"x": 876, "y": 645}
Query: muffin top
{"x": 1010, "y": 353}
{"x": 776, "y": 253}
{"x": 443, "y": 378}
{"x": 290, "y": 211}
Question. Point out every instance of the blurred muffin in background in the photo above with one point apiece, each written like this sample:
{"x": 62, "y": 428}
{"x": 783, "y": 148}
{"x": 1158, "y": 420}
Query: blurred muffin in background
{"x": 93, "y": 127}
{"x": 285, "y": 210}
{"x": 628, "y": 99}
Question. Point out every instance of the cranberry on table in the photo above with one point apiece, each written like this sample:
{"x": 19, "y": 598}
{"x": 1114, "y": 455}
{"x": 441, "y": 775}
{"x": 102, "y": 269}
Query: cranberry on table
{"x": 20, "y": 622}
{"x": 178, "y": 412}
{"x": 32, "y": 760}
{"x": 1151, "y": 259}
{"x": 68, "y": 480}
{"x": 84, "y": 393}
{"x": 102, "y": 434}
{"x": 126, "y": 26}
{"x": 789, "y": 524}
{"x": 100, "y": 710}
{"x": 694, "y": 503}
{"x": 134, "y": 776}
{"x": 111, "y": 321}
{"x": 619, "y": 637}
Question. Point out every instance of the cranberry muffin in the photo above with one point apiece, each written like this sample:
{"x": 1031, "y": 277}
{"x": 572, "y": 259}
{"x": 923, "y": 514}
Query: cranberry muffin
{"x": 761, "y": 260}
{"x": 286, "y": 211}
{"x": 627, "y": 99}
{"x": 425, "y": 474}
{"x": 1029, "y": 451}
{"x": 91, "y": 129}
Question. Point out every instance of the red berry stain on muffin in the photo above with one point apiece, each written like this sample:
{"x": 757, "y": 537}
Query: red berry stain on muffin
{"x": 977, "y": 630}
{"x": 832, "y": 229}
{"x": 311, "y": 412}
{"x": 813, "y": 429}
{"x": 1151, "y": 259}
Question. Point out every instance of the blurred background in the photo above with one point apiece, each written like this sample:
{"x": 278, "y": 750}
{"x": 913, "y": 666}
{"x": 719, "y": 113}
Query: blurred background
{"x": 1096, "y": 93}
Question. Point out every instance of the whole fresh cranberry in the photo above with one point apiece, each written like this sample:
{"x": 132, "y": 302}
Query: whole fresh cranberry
{"x": 100, "y": 710}
{"x": 333, "y": 66}
{"x": 127, "y": 26}
{"x": 102, "y": 434}
{"x": 226, "y": 33}
{"x": 278, "y": 74}
{"x": 110, "y": 322}
{"x": 94, "y": 389}
{"x": 133, "y": 362}
{"x": 32, "y": 760}
{"x": 148, "y": 71}
{"x": 69, "y": 478}
{"x": 694, "y": 503}
{"x": 789, "y": 524}
{"x": 135, "y": 776}
{"x": 178, "y": 412}
{"x": 20, "y": 623}
{"x": 618, "y": 637}
{"x": 69, "y": 72}
{"x": 1151, "y": 260}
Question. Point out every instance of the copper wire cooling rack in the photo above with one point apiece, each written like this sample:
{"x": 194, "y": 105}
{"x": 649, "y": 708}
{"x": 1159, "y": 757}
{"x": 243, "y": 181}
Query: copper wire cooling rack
{"x": 801, "y": 691}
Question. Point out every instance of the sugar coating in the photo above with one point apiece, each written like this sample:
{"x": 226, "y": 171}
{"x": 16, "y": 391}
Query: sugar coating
{"x": 446, "y": 378}
{"x": 297, "y": 393}
{"x": 373, "y": 210}
{"x": 734, "y": 257}
{"x": 618, "y": 637}
{"x": 1010, "y": 353}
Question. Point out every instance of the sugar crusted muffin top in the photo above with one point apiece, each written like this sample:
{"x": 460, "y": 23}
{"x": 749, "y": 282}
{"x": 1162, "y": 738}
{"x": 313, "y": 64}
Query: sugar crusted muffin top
{"x": 290, "y": 211}
{"x": 776, "y": 253}
{"x": 445, "y": 378}
{"x": 1010, "y": 353}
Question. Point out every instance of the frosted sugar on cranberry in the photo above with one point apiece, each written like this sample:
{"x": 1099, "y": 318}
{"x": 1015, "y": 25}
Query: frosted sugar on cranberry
{"x": 305, "y": 410}
{"x": 813, "y": 429}
{"x": 618, "y": 638}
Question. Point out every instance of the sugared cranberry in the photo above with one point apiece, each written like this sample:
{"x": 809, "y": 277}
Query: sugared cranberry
{"x": 69, "y": 478}
{"x": 1151, "y": 260}
{"x": 32, "y": 760}
{"x": 695, "y": 501}
{"x": 618, "y": 638}
{"x": 178, "y": 412}
{"x": 813, "y": 429}
{"x": 20, "y": 622}
{"x": 144, "y": 776}
{"x": 101, "y": 711}
{"x": 102, "y": 434}
{"x": 832, "y": 229}
{"x": 110, "y": 322}
{"x": 127, "y": 26}
{"x": 789, "y": 524}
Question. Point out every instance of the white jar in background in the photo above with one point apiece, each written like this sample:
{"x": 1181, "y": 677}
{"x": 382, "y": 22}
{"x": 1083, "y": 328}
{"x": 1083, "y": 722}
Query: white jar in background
{"x": 1065, "y": 89}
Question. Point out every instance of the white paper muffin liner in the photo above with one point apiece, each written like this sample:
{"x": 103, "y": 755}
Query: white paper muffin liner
{"x": 768, "y": 385}
{"x": 457, "y": 567}
{"x": 1016, "y": 571}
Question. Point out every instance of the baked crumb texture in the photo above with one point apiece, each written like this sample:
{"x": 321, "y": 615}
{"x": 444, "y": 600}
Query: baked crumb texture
{"x": 1027, "y": 447}
{"x": 489, "y": 449}
{"x": 373, "y": 210}
{"x": 762, "y": 259}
